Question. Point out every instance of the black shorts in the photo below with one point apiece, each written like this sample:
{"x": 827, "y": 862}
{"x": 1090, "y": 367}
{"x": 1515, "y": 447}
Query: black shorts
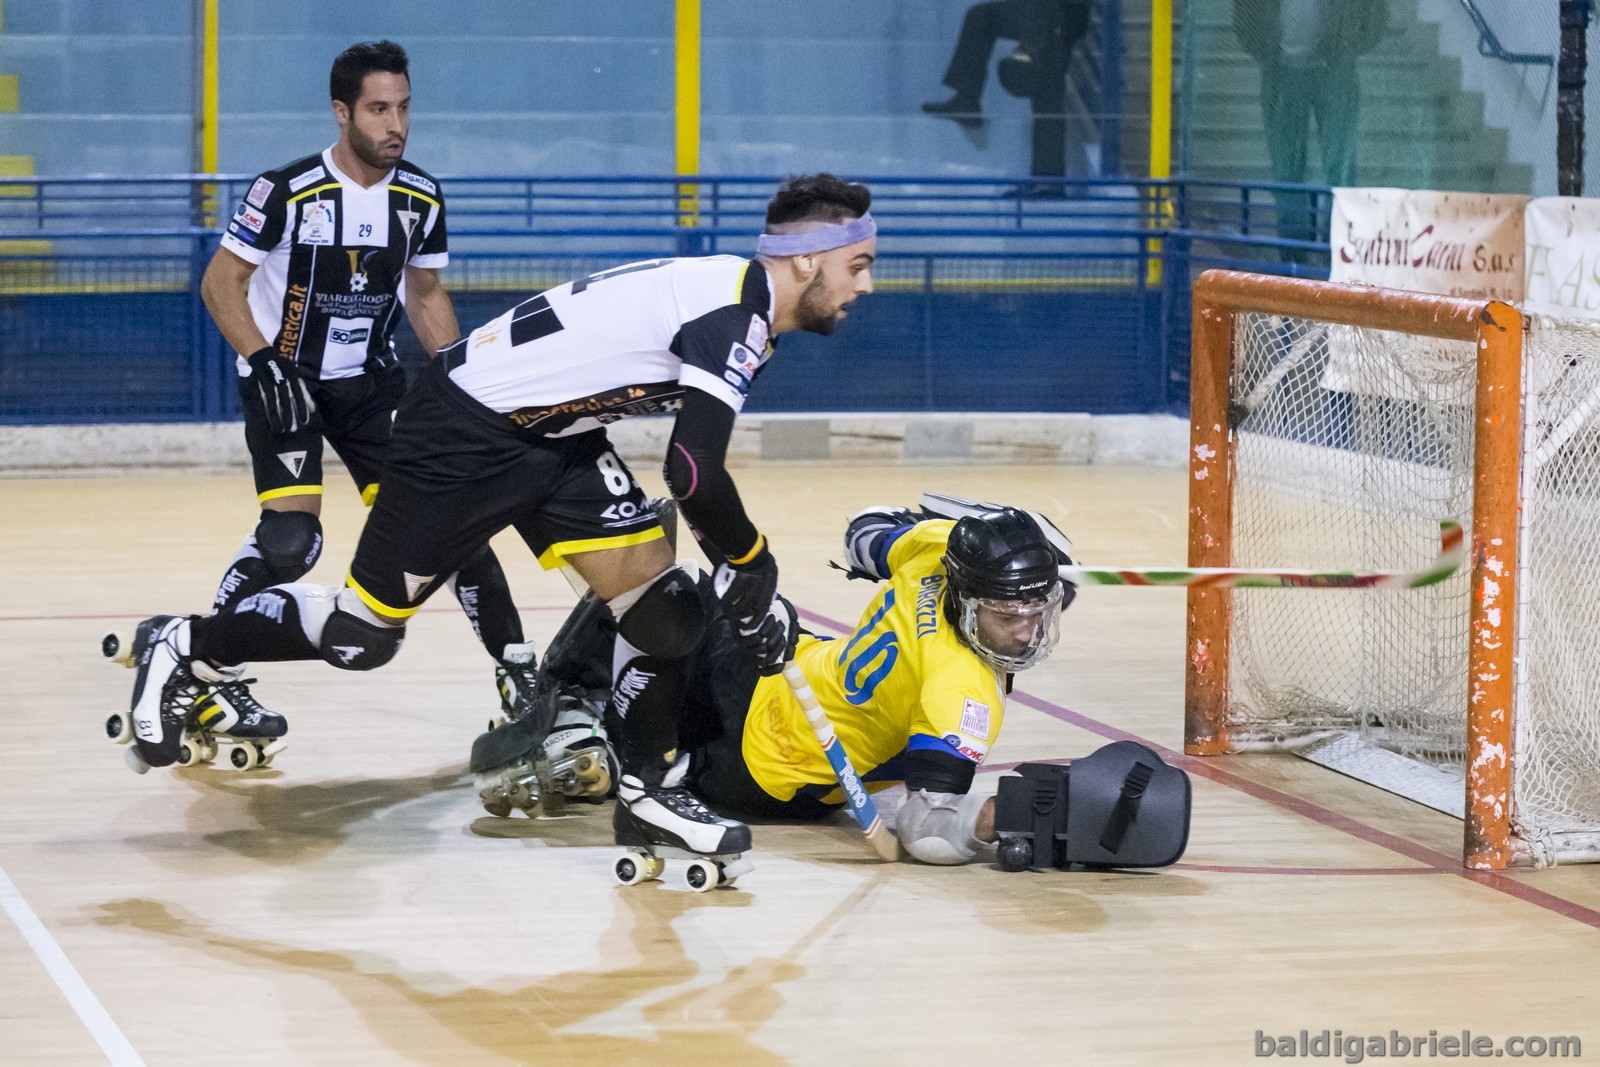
{"x": 356, "y": 416}
{"x": 457, "y": 473}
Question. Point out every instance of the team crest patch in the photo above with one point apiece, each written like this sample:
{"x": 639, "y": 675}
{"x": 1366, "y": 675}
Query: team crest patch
{"x": 300, "y": 181}
{"x": 417, "y": 181}
{"x": 316, "y": 223}
{"x": 975, "y": 718}
{"x": 259, "y": 192}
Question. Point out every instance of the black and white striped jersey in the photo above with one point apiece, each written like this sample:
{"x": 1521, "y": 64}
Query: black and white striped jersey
{"x": 626, "y": 341}
{"x": 331, "y": 257}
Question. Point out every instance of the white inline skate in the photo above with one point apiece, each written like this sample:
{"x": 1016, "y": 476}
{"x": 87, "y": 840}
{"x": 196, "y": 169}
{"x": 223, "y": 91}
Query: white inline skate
{"x": 655, "y": 823}
{"x": 200, "y": 710}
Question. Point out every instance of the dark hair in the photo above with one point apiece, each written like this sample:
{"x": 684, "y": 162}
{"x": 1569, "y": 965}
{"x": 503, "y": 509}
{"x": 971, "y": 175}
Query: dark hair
{"x": 818, "y": 197}
{"x": 353, "y": 65}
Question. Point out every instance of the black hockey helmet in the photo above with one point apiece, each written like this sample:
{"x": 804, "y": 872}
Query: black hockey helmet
{"x": 1004, "y": 593}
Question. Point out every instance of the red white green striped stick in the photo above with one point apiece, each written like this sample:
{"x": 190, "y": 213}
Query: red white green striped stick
{"x": 1452, "y": 552}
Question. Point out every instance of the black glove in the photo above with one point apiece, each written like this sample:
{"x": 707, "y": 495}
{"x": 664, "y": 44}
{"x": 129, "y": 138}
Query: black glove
{"x": 746, "y": 589}
{"x": 280, "y": 393}
{"x": 746, "y": 592}
{"x": 772, "y": 642}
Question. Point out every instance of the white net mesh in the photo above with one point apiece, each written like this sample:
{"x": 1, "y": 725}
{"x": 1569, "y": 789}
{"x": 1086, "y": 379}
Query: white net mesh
{"x": 1351, "y": 446}
{"x": 1339, "y": 478}
{"x": 1557, "y": 742}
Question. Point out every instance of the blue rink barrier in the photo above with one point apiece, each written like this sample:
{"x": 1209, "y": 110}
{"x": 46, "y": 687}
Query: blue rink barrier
{"x": 985, "y": 301}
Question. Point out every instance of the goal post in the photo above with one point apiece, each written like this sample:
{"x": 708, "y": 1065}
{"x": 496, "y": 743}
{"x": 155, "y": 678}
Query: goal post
{"x": 1348, "y": 421}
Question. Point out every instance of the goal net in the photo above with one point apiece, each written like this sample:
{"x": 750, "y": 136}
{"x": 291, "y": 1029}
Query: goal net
{"x": 1334, "y": 427}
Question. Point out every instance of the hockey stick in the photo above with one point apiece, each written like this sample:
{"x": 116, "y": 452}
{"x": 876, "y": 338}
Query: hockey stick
{"x": 855, "y": 793}
{"x": 1452, "y": 551}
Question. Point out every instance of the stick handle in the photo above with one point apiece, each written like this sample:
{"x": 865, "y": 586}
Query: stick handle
{"x": 856, "y": 796}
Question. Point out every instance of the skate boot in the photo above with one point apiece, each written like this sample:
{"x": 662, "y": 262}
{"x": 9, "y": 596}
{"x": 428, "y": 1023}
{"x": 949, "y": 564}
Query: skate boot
{"x": 654, "y": 822}
{"x": 227, "y": 715}
{"x": 516, "y": 677}
{"x": 163, "y": 690}
{"x": 506, "y": 759}
{"x": 578, "y": 757}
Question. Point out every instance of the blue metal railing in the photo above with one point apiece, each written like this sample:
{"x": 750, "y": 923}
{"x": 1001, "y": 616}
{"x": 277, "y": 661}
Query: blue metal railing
{"x": 1489, "y": 42}
{"x": 1060, "y": 294}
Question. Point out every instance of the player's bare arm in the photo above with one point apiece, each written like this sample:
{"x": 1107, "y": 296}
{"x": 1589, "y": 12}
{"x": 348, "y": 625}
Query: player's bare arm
{"x": 225, "y": 288}
{"x": 429, "y": 309}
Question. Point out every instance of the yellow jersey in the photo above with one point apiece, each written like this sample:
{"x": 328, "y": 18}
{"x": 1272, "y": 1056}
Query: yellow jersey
{"x": 901, "y": 681}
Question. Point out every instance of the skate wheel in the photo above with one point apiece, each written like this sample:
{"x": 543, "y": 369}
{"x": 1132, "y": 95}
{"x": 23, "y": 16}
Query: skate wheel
{"x": 702, "y": 876}
{"x": 136, "y": 762}
{"x": 118, "y": 648}
{"x": 189, "y": 754}
{"x": 244, "y": 757}
{"x": 1015, "y": 854}
{"x": 630, "y": 868}
{"x": 119, "y": 729}
{"x": 499, "y": 808}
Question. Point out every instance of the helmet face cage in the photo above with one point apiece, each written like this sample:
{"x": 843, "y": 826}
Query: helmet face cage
{"x": 1005, "y": 589}
{"x": 1011, "y": 635}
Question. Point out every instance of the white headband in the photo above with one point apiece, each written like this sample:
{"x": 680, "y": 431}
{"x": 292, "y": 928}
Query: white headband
{"x": 819, "y": 238}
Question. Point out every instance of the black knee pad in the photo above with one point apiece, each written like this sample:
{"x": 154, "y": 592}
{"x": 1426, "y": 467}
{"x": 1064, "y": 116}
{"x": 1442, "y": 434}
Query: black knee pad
{"x": 289, "y": 543}
{"x": 668, "y": 620}
{"x": 352, "y": 643}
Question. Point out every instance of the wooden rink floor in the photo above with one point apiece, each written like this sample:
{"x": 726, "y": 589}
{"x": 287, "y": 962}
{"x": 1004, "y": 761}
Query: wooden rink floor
{"x": 354, "y": 904}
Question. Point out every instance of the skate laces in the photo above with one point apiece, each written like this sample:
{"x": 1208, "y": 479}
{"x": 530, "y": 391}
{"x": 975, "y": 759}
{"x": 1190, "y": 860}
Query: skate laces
{"x": 516, "y": 682}
{"x": 237, "y": 694}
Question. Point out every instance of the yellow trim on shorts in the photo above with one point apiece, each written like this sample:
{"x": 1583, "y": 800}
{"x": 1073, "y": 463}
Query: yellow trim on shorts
{"x": 293, "y": 490}
{"x": 556, "y": 555}
{"x": 369, "y": 495}
{"x": 761, "y": 542}
{"x": 377, "y": 605}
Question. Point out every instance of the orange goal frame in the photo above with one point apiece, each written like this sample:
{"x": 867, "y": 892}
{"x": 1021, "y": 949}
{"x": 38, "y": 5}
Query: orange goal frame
{"x": 1497, "y": 330}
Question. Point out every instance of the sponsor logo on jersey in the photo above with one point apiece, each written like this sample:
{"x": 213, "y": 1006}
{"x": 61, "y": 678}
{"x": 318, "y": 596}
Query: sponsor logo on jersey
{"x": 357, "y": 336}
{"x": 409, "y": 220}
{"x": 969, "y": 747}
{"x": 756, "y": 336}
{"x": 300, "y": 181}
{"x": 417, "y": 181}
{"x": 350, "y": 333}
{"x": 742, "y": 366}
{"x": 259, "y": 192}
{"x": 250, "y": 218}
{"x": 295, "y": 461}
{"x": 294, "y": 317}
{"x": 239, "y": 233}
{"x": 317, "y": 219}
{"x": 416, "y": 583}
{"x": 975, "y": 718}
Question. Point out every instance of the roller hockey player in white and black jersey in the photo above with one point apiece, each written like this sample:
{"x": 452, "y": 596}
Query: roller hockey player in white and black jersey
{"x": 308, "y": 285}
{"x": 507, "y": 428}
